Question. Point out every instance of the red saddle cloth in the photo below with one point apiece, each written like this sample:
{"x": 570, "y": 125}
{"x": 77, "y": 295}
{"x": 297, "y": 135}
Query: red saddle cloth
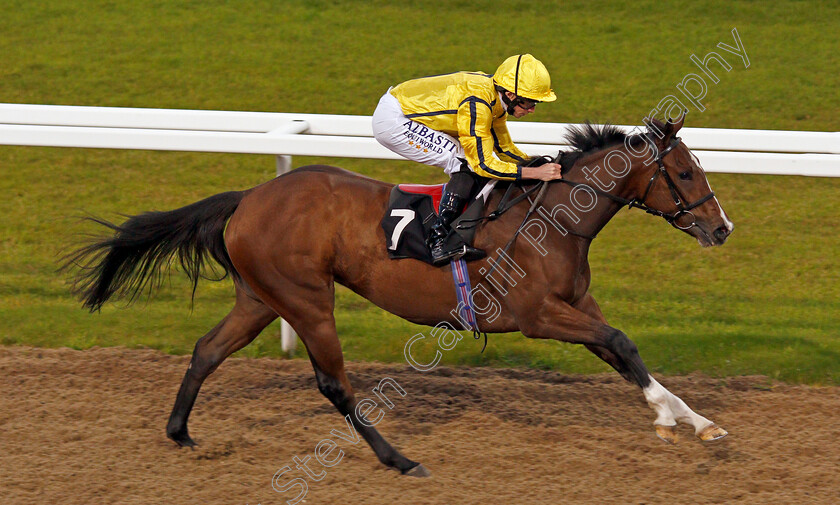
{"x": 435, "y": 191}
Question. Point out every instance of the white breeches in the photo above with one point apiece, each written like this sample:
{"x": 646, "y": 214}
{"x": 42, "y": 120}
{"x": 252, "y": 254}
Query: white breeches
{"x": 412, "y": 140}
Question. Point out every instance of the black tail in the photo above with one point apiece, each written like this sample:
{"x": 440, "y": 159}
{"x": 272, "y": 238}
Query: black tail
{"x": 129, "y": 263}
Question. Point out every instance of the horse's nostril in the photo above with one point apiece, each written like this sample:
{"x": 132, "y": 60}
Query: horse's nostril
{"x": 721, "y": 233}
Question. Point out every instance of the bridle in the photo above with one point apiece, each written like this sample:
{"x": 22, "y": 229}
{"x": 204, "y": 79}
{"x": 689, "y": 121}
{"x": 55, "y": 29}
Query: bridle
{"x": 673, "y": 218}
{"x": 683, "y": 209}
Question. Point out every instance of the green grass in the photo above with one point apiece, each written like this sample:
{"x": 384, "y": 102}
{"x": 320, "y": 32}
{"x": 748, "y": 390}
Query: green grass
{"x": 764, "y": 303}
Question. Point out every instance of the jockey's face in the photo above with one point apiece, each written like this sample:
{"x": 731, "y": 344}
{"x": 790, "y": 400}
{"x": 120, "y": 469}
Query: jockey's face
{"x": 524, "y": 107}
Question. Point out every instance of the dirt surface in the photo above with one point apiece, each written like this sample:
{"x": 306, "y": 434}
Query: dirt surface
{"x": 86, "y": 427}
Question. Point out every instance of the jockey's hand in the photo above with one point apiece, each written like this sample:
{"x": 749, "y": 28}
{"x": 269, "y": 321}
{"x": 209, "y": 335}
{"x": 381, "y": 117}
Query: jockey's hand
{"x": 547, "y": 172}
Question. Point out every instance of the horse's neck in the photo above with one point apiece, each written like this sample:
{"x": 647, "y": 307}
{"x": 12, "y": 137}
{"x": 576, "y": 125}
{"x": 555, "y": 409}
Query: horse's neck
{"x": 586, "y": 215}
{"x": 568, "y": 207}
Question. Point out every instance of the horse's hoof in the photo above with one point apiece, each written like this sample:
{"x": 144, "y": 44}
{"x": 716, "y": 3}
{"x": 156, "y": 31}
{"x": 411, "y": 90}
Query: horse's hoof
{"x": 418, "y": 471}
{"x": 712, "y": 432}
{"x": 667, "y": 433}
{"x": 182, "y": 439}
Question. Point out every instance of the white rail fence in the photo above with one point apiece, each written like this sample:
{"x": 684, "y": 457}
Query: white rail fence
{"x": 731, "y": 151}
{"x": 284, "y": 135}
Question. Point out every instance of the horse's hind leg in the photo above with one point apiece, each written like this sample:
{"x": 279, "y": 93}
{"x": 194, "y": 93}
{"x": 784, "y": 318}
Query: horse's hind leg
{"x": 239, "y": 328}
{"x": 308, "y": 306}
{"x": 325, "y": 354}
{"x": 669, "y": 408}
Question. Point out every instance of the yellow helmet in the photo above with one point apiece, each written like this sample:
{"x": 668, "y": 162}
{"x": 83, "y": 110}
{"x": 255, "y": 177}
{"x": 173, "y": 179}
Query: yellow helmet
{"x": 525, "y": 76}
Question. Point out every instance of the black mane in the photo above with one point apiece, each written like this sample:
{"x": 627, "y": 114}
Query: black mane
{"x": 587, "y": 138}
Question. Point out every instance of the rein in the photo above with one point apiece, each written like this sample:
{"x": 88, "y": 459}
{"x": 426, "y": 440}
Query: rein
{"x": 672, "y": 218}
{"x": 639, "y": 203}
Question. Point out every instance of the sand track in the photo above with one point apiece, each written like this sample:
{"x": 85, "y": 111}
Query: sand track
{"x": 84, "y": 427}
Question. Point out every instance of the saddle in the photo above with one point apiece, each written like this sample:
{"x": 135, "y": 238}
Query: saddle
{"x": 411, "y": 212}
{"x": 412, "y": 209}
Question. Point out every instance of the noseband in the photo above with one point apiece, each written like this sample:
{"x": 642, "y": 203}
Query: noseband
{"x": 679, "y": 199}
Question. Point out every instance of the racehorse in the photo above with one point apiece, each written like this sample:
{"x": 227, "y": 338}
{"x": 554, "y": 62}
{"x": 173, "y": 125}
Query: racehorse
{"x": 288, "y": 241}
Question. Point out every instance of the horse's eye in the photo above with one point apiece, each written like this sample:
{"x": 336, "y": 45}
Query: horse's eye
{"x": 686, "y": 176}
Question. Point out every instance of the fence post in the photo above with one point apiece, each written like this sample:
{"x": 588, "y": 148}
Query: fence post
{"x": 288, "y": 337}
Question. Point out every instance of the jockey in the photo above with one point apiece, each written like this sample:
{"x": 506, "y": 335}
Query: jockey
{"x": 456, "y": 122}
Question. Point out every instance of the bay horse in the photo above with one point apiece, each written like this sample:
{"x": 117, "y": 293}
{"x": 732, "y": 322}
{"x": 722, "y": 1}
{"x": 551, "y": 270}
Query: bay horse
{"x": 288, "y": 241}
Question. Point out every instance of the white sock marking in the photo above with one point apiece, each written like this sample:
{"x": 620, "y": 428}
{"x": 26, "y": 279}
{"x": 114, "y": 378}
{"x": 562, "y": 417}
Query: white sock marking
{"x": 670, "y": 409}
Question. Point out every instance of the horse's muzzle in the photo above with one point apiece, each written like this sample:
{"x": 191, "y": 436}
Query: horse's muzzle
{"x": 721, "y": 234}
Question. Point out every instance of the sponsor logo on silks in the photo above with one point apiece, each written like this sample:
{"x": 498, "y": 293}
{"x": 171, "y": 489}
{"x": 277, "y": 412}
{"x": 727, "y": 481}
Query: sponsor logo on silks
{"x": 428, "y": 138}
{"x": 418, "y": 146}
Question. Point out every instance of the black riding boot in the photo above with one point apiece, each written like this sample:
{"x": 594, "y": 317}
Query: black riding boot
{"x": 451, "y": 206}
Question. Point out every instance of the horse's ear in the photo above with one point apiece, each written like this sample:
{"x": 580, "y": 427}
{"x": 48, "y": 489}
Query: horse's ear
{"x": 676, "y": 125}
{"x": 666, "y": 131}
{"x": 662, "y": 131}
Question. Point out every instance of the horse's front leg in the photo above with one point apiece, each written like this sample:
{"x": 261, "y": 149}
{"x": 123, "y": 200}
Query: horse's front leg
{"x": 669, "y": 408}
{"x": 556, "y": 319}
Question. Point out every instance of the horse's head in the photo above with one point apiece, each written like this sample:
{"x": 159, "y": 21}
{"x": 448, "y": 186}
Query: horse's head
{"x": 677, "y": 188}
